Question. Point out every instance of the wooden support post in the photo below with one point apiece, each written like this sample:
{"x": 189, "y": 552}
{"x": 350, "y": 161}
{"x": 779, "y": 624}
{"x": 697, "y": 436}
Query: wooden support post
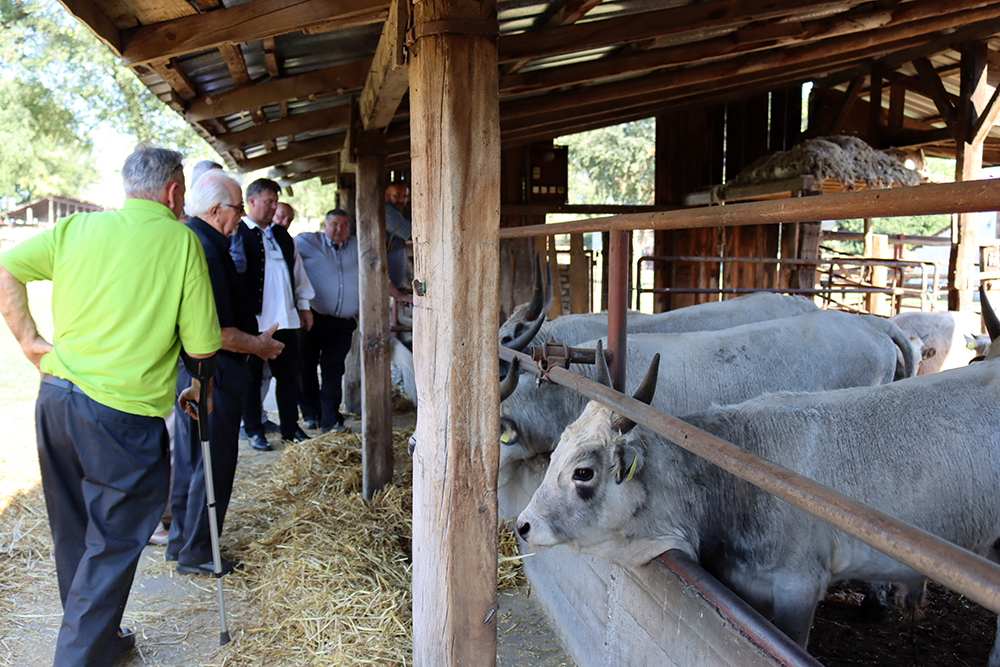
{"x": 455, "y": 135}
{"x": 878, "y": 304}
{"x": 618, "y": 264}
{"x": 968, "y": 165}
{"x": 373, "y": 281}
{"x": 579, "y": 276}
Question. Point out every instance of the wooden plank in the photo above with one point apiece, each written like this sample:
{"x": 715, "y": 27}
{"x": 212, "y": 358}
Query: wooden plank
{"x": 323, "y": 119}
{"x": 568, "y": 14}
{"x": 333, "y": 80}
{"x": 233, "y": 55}
{"x": 387, "y": 79}
{"x": 986, "y": 119}
{"x": 88, "y": 13}
{"x": 373, "y": 281}
{"x": 579, "y": 276}
{"x": 454, "y": 110}
{"x": 243, "y": 23}
{"x": 853, "y": 92}
{"x": 295, "y": 151}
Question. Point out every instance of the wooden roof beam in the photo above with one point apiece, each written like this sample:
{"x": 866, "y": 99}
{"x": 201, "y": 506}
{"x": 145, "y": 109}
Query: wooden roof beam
{"x": 295, "y": 151}
{"x": 90, "y": 14}
{"x": 175, "y": 78}
{"x": 242, "y": 23}
{"x": 388, "y": 78}
{"x": 921, "y": 17}
{"x": 651, "y": 25}
{"x": 271, "y": 58}
{"x": 324, "y": 119}
{"x": 333, "y": 80}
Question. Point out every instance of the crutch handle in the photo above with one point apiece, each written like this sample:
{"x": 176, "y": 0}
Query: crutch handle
{"x": 201, "y": 370}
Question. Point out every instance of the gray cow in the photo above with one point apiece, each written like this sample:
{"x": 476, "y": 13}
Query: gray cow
{"x": 826, "y": 349}
{"x": 924, "y": 450}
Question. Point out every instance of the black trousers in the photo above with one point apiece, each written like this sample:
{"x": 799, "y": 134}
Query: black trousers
{"x": 285, "y": 369}
{"x": 190, "y": 536}
{"x": 105, "y": 474}
{"x": 325, "y": 345}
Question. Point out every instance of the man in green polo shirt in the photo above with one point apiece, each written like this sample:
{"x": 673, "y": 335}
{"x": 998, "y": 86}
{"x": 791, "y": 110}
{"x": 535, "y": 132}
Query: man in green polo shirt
{"x": 129, "y": 288}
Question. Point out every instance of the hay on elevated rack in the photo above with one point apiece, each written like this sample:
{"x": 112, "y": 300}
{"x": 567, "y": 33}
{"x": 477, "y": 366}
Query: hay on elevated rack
{"x": 841, "y": 158}
{"x": 326, "y": 573}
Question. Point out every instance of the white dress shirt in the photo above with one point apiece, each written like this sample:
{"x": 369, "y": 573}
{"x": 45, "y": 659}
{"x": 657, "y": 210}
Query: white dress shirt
{"x": 280, "y": 304}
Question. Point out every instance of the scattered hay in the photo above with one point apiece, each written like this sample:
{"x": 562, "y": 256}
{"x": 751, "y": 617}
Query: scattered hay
{"x": 842, "y": 158}
{"x": 327, "y": 574}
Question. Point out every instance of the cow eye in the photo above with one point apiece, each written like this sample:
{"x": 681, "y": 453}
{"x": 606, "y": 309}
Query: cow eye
{"x": 583, "y": 474}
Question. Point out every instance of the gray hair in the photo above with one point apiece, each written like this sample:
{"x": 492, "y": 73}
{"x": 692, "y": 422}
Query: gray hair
{"x": 208, "y": 191}
{"x": 201, "y": 168}
{"x": 149, "y": 170}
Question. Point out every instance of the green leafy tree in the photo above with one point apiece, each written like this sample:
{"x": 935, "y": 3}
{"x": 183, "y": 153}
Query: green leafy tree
{"x": 62, "y": 88}
{"x": 613, "y": 165}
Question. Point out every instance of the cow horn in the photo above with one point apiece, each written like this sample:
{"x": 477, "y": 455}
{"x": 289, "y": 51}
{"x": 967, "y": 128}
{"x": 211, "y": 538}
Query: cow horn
{"x": 603, "y": 374}
{"x": 509, "y": 383}
{"x": 644, "y": 393}
{"x": 527, "y": 335}
{"x": 989, "y": 317}
{"x": 538, "y": 294}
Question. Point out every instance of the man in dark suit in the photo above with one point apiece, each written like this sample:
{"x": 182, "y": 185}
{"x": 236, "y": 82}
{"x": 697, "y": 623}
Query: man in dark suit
{"x": 279, "y": 292}
{"x": 215, "y": 204}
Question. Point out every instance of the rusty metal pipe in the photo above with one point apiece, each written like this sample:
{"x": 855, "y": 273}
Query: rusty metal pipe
{"x": 955, "y": 567}
{"x": 962, "y": 197}
{"x": 618, "y": 261}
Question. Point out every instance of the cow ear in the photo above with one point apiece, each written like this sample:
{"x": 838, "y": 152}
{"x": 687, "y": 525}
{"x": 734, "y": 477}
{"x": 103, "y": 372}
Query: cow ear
{"x": 628, "y": 461}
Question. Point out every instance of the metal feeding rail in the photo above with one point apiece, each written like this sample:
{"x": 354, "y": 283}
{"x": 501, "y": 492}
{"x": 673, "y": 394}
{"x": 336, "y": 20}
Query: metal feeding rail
{"x": 927, "y": 291}
{"x": 955, "y": 567}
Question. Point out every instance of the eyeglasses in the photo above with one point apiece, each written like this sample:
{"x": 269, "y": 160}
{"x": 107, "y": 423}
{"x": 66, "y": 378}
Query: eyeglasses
{"x": 239, "y": 207}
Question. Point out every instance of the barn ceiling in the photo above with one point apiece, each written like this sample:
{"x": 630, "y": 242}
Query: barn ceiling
{"x": 270, "y": 83}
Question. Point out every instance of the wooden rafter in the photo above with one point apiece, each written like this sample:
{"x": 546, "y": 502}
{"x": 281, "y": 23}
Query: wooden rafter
{"x": 91, "y": 15}
{"x": 242, "y": 23}
{"x": 233, "y": 55}
{"x": 935, "y": 89}
{"x": 175, "y": 78}
{"x": 271, "y": 57}
{"x": 924, "y": 17}
{"x": 324, "y": 119}
{"x": 295, "y": 151}
{"x": 388, "y": 77}
{"x": 333, "y": 80}
{"x": 840, "y": 118}
{"x": 568, "y": 14}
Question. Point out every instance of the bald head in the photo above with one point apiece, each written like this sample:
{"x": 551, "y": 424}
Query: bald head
{"x": 283, "y": 214}
{"x": 397, "y": 194}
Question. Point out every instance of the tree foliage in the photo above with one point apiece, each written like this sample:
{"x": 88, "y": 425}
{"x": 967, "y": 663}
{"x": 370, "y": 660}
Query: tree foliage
{"x": 613, "y": 165}
{"x": 62, "y": 90}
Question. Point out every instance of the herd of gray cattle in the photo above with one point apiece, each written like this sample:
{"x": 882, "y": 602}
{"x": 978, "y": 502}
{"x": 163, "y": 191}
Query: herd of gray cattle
{"x": 830, "y": 395}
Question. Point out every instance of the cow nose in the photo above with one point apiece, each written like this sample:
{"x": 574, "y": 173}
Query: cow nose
{"x": 523, "y": 528}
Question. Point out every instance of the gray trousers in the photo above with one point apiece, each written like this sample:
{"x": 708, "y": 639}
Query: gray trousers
{"x": 105, "y": 474}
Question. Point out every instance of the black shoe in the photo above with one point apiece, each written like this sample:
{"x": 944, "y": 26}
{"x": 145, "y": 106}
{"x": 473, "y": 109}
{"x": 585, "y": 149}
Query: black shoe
{"x": 167, "y": 556}
{"x": 228, "y": 565}
{"x": 270, "y": 426}
{"x": 336, "y": 428}
{"x": 123, "y": 642}
{"x": 298, "y": 436}
{"x": 259, "y": 443}
{"x": 310, "y": 423}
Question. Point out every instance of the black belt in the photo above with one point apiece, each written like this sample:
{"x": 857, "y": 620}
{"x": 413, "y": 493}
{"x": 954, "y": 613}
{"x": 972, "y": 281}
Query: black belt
{"x": 61, "y": 383}
{"x": 324, "y": 316}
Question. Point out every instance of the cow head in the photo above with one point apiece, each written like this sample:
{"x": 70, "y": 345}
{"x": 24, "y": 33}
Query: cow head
{"x": 593, "y": 485}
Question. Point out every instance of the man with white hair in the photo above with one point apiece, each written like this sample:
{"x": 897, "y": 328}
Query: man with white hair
{"x": 215, "y": 203}
{"x": 129, "y": 289}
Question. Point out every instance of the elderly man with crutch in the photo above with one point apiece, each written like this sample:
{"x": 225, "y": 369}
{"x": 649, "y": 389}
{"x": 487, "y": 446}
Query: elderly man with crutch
{"x": 215, "y": 204}
{"x": 129, "y": 287}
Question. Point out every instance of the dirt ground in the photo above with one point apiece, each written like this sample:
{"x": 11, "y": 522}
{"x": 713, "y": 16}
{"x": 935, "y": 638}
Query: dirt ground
{"x": 175, "y": 617}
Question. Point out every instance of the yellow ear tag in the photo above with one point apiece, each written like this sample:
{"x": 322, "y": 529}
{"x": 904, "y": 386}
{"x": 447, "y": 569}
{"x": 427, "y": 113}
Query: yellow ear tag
{"x": 504, "y": 435}
{"x": 631, "y": 470}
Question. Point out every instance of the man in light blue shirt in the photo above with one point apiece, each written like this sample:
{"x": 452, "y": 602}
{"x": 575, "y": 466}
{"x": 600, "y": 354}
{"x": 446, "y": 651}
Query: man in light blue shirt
{"x": 330, "y": 258}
